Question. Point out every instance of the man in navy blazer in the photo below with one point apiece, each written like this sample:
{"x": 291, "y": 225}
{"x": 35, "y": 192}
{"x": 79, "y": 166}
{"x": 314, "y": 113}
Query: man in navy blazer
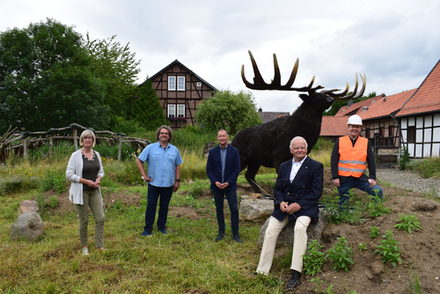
{"x": 297, "y": 191}
{"x": 223, "y": 168}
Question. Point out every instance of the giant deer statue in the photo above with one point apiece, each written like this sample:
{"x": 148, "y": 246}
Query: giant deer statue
{"x": 268, "y": 144}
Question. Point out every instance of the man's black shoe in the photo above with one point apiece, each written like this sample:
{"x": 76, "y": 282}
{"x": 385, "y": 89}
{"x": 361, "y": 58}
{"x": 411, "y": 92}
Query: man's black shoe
{"x": 219, "y": 237}
{"x": 236, "y": 238}
{"x": 294, "y": 280}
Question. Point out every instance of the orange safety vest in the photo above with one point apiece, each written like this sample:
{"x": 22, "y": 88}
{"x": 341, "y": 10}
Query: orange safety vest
{"x": 352, "y": 159}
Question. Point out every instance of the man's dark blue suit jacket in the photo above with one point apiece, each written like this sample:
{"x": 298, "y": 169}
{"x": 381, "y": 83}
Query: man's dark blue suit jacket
{"x": 306, "y": 189}
{"x": 232, "y": 167}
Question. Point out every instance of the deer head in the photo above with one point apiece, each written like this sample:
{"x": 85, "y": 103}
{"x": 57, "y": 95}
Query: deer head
{"x": 331, "y": 94}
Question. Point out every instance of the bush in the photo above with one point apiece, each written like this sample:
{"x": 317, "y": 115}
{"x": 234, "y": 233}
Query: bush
{"x": 408, "y": 223}
{"x": 54, "y": 181}
{"x": 314, "y": 258}
{"x": 45, "y": 204}
{"x": 404, "y": 159}
{"x": 341, "y": 255}
{"x": 427, "y": 168}
{"x": 388, "y": 250}
{"x": 14, "y": 184}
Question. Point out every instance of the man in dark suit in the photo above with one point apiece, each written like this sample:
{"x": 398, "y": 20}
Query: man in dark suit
{"x": 297, "y": 191}
{"x": 223, "y": 168}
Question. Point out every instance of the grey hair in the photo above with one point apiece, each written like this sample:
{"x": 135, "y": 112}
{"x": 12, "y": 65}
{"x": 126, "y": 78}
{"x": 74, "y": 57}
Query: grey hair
{"x": 86, "y": 133}
{"x": 296, "y": 139}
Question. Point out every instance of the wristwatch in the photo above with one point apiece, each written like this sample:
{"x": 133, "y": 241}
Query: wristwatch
{"x": 177, "y": 180}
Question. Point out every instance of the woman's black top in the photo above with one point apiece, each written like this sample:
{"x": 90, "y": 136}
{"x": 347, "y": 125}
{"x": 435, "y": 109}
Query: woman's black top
{"x": 90, "y": 170}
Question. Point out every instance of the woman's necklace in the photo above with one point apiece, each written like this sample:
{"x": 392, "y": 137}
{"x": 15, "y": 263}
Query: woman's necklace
{"x": 87, "y": 153}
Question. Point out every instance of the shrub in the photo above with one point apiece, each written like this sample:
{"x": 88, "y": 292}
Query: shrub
{"x": 14, "y": 184}
{"x": 314, "y": 258}
{"x": 362, "y": 246}
{"x": 408, "y": 223}
{"x": 404, "y": 159}
{"x": 388, "y": 250}
{"x": 427, "y": 168}
{"x": 376, "y": 208}
{"x": 374, "y": 232}
{"x": 45, "y": 204}
{"x": 351, "y": 214}
{"x": 54, "y": 181}
{"x": 341, "y": 255}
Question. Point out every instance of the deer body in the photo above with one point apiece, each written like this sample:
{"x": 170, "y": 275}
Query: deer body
{"x": 268, "y": 144}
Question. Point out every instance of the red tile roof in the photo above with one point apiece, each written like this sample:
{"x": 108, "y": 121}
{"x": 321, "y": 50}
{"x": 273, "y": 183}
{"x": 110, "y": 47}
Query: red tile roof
{"x": 384, "y": 106}
{"x": 427, "y": 96}
{"x": 354, "y": 108}
{"x": 333, "y": 126}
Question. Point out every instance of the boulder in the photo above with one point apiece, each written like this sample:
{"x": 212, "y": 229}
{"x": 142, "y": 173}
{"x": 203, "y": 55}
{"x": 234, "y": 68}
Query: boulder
{"x": 28, "y": 206}
{"x": 314, "y": 232}
{"x": 252, "y": 209}
{"x": 28, "y": 226}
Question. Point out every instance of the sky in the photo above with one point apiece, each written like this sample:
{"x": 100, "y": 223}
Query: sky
{"x": 394, "y": 43}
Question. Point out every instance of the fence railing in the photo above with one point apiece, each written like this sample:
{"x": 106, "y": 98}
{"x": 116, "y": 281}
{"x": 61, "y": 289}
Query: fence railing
{"x": 21, "y": 142}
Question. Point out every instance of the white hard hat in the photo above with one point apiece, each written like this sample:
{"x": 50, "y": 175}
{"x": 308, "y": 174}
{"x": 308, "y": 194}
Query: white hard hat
{"x": 354, "y": 120}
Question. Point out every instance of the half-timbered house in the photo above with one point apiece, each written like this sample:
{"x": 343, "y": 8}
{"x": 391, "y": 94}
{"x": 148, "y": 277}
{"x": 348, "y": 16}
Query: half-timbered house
{"x": 180, "y": 91}
{"x": 420, "y": 118}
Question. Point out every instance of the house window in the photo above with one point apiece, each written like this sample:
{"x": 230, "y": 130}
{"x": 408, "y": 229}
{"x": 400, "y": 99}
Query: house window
{"x": 367, "y": 133}
{"x": 171, "y": 110}
{"x": 181, "y": 83}
{"x": 411, "y": 134}
{"x": 171, "y": 83}
{"x": 180, "y": 110}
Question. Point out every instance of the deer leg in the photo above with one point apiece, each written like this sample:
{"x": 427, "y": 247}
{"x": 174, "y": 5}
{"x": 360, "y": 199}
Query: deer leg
{"x": 252, "y": 170}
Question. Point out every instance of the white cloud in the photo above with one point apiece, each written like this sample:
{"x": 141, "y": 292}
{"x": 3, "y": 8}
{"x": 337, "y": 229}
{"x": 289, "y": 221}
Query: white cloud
{"x": 395, "y": 42}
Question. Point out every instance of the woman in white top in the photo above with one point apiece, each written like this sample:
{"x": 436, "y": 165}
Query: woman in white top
{"x": 85, "y": 172}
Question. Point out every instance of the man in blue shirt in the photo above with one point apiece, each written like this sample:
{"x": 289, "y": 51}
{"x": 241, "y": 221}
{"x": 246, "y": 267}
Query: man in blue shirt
{"x": 163, "y": 160}
{"x": 223, "y": 168}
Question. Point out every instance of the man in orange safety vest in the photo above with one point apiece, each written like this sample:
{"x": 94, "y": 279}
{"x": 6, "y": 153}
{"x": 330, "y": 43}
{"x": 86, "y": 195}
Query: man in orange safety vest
{"x": 351, "y": 156}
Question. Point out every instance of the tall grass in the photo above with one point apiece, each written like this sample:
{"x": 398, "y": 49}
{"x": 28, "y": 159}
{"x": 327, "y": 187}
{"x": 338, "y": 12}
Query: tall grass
{"x": 426, "y": 168}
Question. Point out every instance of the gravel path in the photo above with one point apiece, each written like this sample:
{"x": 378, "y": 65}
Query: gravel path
{"x": 408, "y": 180}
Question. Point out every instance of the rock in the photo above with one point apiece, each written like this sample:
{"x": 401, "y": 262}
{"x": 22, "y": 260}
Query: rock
{"x": 377, "y": 268}
{"x": 425, "y": 205}
{"x": 28, "y": 206}
{"x": 252, "y": 209}
{"x": 28, "y": 226}
{"x": 314, "y": 231}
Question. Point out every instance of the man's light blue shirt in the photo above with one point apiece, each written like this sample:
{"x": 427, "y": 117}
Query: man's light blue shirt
{"x": 161, "y": 163}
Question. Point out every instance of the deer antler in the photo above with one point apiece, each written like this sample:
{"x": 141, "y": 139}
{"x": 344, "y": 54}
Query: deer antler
{"x": 260, "y": 84}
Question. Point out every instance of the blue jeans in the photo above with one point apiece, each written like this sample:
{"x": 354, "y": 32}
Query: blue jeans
{"x": 231, "y": 196}
{"x": 150, "y": 213}
{"x": 351, "y": 182}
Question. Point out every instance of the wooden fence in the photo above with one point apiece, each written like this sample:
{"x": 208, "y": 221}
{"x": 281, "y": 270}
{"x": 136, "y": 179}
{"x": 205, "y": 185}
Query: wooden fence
{"x": 20, "y": 143}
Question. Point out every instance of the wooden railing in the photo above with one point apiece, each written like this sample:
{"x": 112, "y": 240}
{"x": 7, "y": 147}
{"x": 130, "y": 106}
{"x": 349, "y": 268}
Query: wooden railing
{"x": 23, "y": 141}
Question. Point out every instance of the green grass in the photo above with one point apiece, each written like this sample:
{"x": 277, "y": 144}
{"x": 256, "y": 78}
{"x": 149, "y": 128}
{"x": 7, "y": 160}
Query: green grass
{"x": 185, "y": 261}
{"x": 426, "y": 168}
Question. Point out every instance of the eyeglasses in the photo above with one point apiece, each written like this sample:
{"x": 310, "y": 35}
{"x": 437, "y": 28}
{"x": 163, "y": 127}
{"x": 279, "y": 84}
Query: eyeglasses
{"x": 164, "y": 133}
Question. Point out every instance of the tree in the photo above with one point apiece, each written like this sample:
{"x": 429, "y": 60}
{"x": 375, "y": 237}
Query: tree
{"x": 144, "y": 108}
{"x": 46, "y": 79}
{"x": 227, "y": 110}
{"x": 116, "y": 67}
{"x": 339, "y": 104}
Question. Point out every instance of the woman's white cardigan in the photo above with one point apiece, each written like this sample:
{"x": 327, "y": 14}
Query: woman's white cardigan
{"x": 74, "y": 174}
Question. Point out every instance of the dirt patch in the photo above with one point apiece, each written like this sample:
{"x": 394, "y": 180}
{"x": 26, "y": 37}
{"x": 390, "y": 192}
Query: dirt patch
{"x": 187, "y": 212}
{"x": 419, "y": 251}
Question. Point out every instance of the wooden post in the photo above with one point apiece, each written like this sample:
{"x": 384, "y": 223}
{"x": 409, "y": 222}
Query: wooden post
{"x": 75, "y": 139}
{"x": 25, "y": 145}
{"x": 119, "y": 148}
{"x": 50, "y": 145}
